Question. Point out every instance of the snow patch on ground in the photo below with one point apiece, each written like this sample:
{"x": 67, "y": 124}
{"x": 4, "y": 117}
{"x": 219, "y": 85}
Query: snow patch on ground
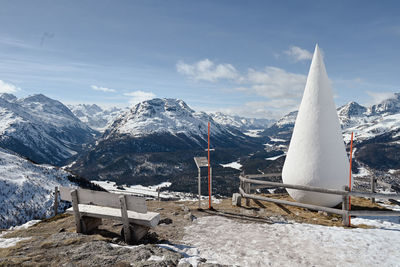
{"x": 24, "y": 226}
{"x": 253, "y": 133}
{"x": 151, "y": 191}
{"x": 190, "y": 254}
{"x": 224, "y": 241}
{"x": 234, "y": 165}
{"x": 276, "y": 157}
{"x": 10, "y": 242}
{"x": 362, "y": 172}
{"x": 277, "y": 140}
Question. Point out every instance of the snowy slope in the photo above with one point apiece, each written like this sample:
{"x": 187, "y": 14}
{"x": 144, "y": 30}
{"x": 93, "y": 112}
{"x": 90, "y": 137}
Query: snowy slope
{"x": 96, "y": 117}
{"x": 26, "y": 189}
{"x": 169, "y": 117}
{"x": 158, "y": 139}
{"x": 225, "y": 241}
{"x": 41, "y": 129}
{"x": 162, "y": 116}
{"x": 241, "y": 123}
{"x": 365, "y": 122}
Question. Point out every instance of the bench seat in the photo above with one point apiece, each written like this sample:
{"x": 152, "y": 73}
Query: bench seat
{"x": 149, "y": 219}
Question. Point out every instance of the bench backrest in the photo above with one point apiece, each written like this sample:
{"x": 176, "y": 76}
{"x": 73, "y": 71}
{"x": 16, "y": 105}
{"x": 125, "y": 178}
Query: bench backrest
{"x": 104, "y": 199}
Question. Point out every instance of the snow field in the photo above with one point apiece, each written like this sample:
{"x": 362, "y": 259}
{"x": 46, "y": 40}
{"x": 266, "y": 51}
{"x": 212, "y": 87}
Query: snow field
{"x": 224, "y": 241}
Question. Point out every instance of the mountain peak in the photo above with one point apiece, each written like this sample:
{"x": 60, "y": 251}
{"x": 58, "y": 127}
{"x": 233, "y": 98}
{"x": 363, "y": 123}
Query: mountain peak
{"x": 8, "y": 97}
{"x": 351, "y": 109}
{"x": 387, "y": 106}
{"x": 161, "y": 115}
{"x": 156, "y": 105}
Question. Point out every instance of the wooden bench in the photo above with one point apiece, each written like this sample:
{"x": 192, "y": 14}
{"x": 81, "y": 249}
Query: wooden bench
{"x": 89, "y": 207}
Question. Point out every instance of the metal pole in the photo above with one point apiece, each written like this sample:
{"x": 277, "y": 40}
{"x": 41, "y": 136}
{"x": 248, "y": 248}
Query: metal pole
{"x": 209, "y": 169}
{"x": 210, "y": 186}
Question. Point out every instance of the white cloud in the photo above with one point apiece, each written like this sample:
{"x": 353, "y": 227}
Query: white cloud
{"x": 208, "y": 71}
{"x": 274, "y": 82}
{"x": 139, "y": 96}
{"x": 278, "y": 90}
{"x": 8, "y": 87}
{"x": 379, "y": 97}
{"x": 298, "y": 54}
{"x": 102, "y": 89}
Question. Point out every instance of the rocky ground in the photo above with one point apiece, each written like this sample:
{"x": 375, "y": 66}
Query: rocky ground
{"x": 53, "y": 242}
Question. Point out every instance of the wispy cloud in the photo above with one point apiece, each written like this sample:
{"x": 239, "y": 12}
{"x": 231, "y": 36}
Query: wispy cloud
{"x": 102, "y": 89}
{"x": 207, "y": 70}
{"x": 8, "y": 88}
{"x": 298, "y": 53}
{"x": 139, "y": 96}
{"x": 279, "y": 91}
{"x": 273, "y": 82}
{"x": 376, "y": 98}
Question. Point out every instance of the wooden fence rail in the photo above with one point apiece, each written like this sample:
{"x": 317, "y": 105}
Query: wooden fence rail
{"x": 246, "y": 187}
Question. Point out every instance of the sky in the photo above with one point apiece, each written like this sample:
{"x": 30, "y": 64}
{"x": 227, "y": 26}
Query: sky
{"x": 249, "y": 58}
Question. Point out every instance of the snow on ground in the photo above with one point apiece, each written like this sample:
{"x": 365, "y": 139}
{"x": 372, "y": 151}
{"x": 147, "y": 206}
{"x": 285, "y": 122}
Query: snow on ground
{"x": 362, "y": 172}
{"x": 253, "y": 133}
{"x": 151, "y": 191}
{"x": 24, "y": 226}
{"x": 277, "y": 140}
{"x": 276, "y": 157}
{"x": 225, "y": 241}
{"x": 10, "y": 242}
{"x": 234, "y": 165}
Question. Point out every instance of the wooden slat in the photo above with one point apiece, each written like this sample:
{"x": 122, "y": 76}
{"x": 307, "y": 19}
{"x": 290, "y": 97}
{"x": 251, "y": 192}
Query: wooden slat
{"x": 105, "y": 199}
{"x": 263, "y": 175}
{"x": 296, "y": 204}
{"x": 323, "y": 190}
{"x": 374, "y": 213}
{"x": 149, "y": 219}
{"x": 65, "y": 193}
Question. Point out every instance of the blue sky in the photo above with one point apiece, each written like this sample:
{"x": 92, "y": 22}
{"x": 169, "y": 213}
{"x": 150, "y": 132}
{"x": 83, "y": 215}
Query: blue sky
{"x": 242, "y": 57}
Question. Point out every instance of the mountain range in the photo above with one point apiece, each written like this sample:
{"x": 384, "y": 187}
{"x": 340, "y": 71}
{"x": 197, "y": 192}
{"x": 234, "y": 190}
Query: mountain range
{"x": 42, "y": 129}
{"x": 156, "y": 140}
{"x": 376, "y": 134}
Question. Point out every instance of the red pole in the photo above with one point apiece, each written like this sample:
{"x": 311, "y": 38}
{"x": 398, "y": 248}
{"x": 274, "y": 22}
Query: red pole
{"x": 209, "y": 176}
{"x": 351, "y": 159}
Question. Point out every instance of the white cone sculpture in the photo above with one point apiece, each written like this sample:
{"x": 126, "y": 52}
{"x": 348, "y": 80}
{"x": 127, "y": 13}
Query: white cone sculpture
{"x": 317, "y": 154}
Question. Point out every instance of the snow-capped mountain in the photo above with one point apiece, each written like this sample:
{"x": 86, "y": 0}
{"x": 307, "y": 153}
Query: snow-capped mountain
{"x": 41, "y": 129}
{"x": 130, "y": 145}
{"x": 96, "y": 117}
{"x": 26, "y": 189}
{"x": 241, "y": 123}
{"x": 386, "y": 107}
{"x": 164, "y": 116}
{"x": 376, "y": 131}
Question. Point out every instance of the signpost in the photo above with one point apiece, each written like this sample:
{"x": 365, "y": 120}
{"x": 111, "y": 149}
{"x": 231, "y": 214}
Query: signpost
{"x": 200, "y": 162}
{"x": 205, "y": 162}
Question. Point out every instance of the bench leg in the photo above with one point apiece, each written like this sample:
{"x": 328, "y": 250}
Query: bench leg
{"x": 90, "y": 223}
{"x": 137, "y": 232}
